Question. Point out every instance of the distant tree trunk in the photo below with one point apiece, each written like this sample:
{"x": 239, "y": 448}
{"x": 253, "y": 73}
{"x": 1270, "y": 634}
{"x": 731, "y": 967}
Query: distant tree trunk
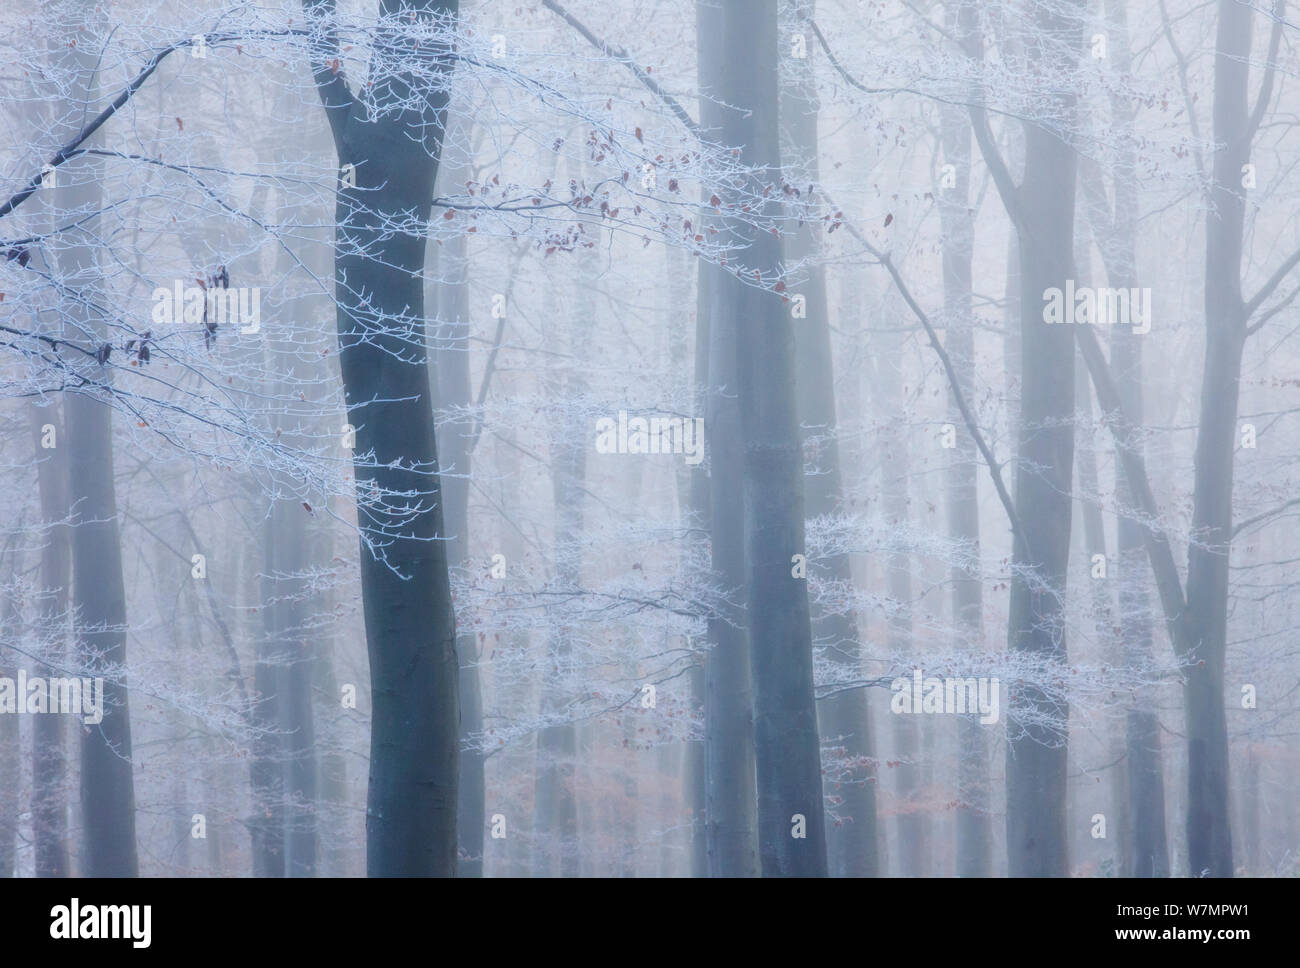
{"x": 99, "y": 593}
{"x": 731, "y": 809}
{"x": 292, "y": 675}
{"x": 555, "y": 793}
{"x": 99, "y": 600}
{"x": 49, "y": 763}
{"x": 410, "y": 623}
{"x": 894, "y": 461}
{"x": 1042, "y": 208}
{"x": 1252, "y": 792}
{"x": 557, "y": 744}
{"x": 451, "y": 354}
{"x": 1036, "y": 755}
{"x": 283, "y": 772}
{"x": 10, "y": 753}
{"x": 333, "y": 781}
{"x": 974, "y": 825}
{"x": 1209, "y": 832}
{"x": 693, "y": 504}
{"x": 787, "y": 751}
{"x": 266, "y": 772}
{"x": 1148, "y": 845}
{"x": 1104, "y": 620}
{"x": 844, "y": 716}
{"x": 1148, "y": 848}
{"x": 301, "y": 840}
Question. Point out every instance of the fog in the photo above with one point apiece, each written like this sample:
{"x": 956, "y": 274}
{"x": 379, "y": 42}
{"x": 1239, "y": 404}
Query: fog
{"x": 650, "y": 438}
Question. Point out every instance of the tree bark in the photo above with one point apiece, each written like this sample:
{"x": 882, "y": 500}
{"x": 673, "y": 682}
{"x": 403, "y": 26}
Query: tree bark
{"x": 731, "y": 808}
{"x": 786, "y": 743}
{"x": 410, "y": 624}
{"x": 99, "y": 594}
{"x": 974, "y": 825}
{"x": 49, "y": 761}
{"x": 451, "y": 352}
{"x": 1209, "y": 833}
{"x": 843, "y": 716}
{"x": 1042, "y": 208}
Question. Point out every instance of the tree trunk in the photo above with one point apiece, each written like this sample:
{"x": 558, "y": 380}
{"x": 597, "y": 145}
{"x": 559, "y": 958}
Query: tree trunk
{"x": 1209, "y": 833}
{"x": 99, "y": 594}
{"x": 451, "y": 353}
{"x": 843, "y": 716}
{"x": 10, "y": 750}
{"x": 731, "y": 809}
{"x": 791, "y": 814}
{"x": 410, "y": 625}
{"x": 557, "y": 744}
{"x": 49, "y": 762}
{"x": 974, "y": 826}
{"x": 1042, "y": 208}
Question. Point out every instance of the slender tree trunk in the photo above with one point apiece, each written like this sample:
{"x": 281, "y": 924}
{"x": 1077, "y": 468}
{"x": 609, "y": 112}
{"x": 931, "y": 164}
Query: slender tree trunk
{"x": 731, "y": 809}
{"x": 99, "y": 594}
{"x": 1147, "y": 853}
{"x": 844, "y": 717}
{"x": 49, "y": 762}
{"x": 294, "y": 667}
{"x": 1209, "y": 832}
{"x": 895, "y": 463}
{"x": 332, "y": 806}
{"x": 693, "y": 500}
{"x": 266, "y": 772}
{"x": 787, "y": 756}
{"x": 974, "y": 832}
{"x": 454, "y": 394}
{"x": 10, "y": 751}
{"x": 1042, "y": 207}
{"x": 557, "y": 744}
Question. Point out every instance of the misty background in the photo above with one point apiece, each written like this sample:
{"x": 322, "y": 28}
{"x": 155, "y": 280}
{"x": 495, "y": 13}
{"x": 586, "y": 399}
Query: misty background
{"x": 368, "y": 592}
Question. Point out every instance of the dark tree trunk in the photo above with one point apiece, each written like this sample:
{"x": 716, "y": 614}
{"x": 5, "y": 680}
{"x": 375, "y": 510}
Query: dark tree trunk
{"x": 410, "y": 625}
{"x": 786, "y": 744}
{"x": 1037, "y": 754}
